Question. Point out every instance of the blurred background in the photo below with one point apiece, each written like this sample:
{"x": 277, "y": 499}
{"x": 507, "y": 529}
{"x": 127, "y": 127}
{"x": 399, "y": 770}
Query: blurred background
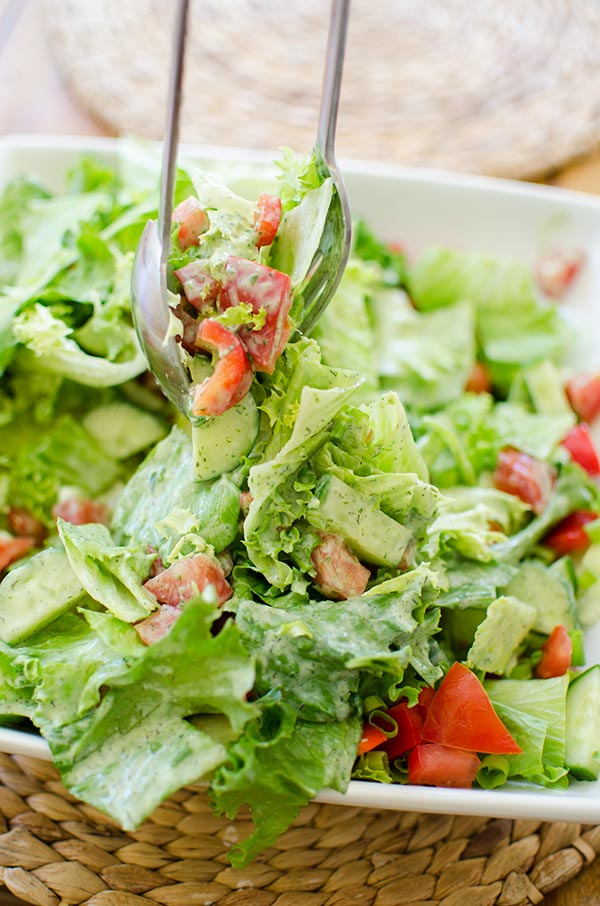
{"x": 498, "y": 86}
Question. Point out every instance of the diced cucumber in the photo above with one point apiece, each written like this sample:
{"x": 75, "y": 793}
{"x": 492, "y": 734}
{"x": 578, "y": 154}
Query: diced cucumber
{"x": 34, "y": 594}
{"x": 583, "y": 725}
{"x": 549, "y": 593}
{"x": 588, "y": 603}
{"x": 546, "y": 389}
{"x": 507, "y": 622}
{"x": 122, "y": 429}
{"x": 374, "y": 536}
{"x": 219, "y": 443}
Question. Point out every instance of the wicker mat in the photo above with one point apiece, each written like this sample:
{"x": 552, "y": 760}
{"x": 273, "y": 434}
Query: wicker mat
{"x": 510, "y": 88}
{"x": 55, "y": 850}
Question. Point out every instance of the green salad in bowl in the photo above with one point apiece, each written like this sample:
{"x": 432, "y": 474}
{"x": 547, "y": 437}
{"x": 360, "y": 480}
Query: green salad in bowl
{"x": 369, "y": 556}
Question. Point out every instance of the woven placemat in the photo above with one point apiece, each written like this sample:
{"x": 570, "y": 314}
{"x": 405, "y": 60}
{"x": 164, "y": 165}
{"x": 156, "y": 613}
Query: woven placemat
{"x": 508, "y": 88}
{"x": 55, "y": 850}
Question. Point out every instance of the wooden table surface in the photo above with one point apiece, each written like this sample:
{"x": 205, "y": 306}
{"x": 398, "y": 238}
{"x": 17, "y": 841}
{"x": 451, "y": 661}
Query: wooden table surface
{"x": 33, "y": 99}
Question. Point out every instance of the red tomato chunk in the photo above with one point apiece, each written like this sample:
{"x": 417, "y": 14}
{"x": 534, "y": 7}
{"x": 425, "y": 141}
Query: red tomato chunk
{"x": 527, "y": 478}
{"x": 583, "y": 392}
{"x": 230, "y": 381}
{"x": 199, "y": 287}
{"x": 371, "y": 737}
{"x": 193, "y": 222}
{"x": 437, "y": 765}
{"x": 187, "y": 578}
{"x": 408, "y": 735}
{"x": 154, "y": 627}
{"x": 556, "y": 270}
{"x": 556, "y": 654}
{"x": 23, "y": 524}
{"x": 339, "y": 573}
{"x": 479, "y": 381}
{"x": 267, "y": 218}
{"x": 263, "y": 288}
{"x": 580, "y": 446}
{"x": 79, "y": 511}
{"x": 570, "y": 535}
{"x": 461, "y": 716}
{"x": 12, "y": 549}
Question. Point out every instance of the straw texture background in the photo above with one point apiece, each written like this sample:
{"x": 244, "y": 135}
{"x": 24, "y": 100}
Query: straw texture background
{"x": 56, "y": 851}
{"x": 497, "y": 86}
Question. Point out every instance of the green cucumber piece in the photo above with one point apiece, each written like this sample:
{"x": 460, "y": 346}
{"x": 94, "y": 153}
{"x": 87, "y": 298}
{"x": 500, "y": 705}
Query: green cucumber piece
{"x": 583, "y": 725}
{"x": 34, "y": 594}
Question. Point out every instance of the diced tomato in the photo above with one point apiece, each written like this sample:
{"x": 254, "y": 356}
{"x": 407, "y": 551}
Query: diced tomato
{"x": 12, "y": 549}
{"x": 425, "y": 698}
{"x": 230, "y": 381}
{"x": 25, "y": 525}
{"x": 479, "y": 381}
{"x": 193, "y": 222}
{"x": 556, "y": 270}
{"x": 187, "y": 578}
{"x": 200, "y": 288}
{"x": 556, "y": 654}
{"x": 80, "y": 511}
{"x": 410, "y": 724}
{"x": 371, "y": 737}
{"x": 246, "y": 499}
{"x": 581, "y": 447}
{"x": 461, "y": 716}
{"x": 437, "y": 765}
{"x": 157, "y": 565}
{"x": 262, "y": 288}
{"x": 339, "y": 573}
{"x": 154, "y": 627}
{"x": 583, "y": 392}
{"x": 527, "y": 478}
{"x": 570, "y": 535}
{"x": 267, "y": 218}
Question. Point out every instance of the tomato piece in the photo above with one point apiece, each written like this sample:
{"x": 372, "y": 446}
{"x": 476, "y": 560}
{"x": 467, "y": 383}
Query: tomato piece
{"x": 437, "y": 765}
{"x": 230, "y": 381}
{"x": 154, "y": 627}
{"x": 524, "y": 476}
{"x": 462, "y": 716}
{"x": 193, "y": 222}
{"x": 410, "y": 725}
{"x": 12, "y": 549}
{"x": 267, "y": 218}
{"x": 570, "y": 534}
{"x": 479, "y": 381}
{"x": 581, "y": 448}
{"x": 199, "y": 287}
{"x": 187, "y": 578}
{"x": 425, "y": 698}
{"x": 80, "y": 511}
{"x": 556, "y": 654}
{"x": 371, "y": 737}
{"x": 262, "y": 288}
{"x": 25, "y": 525}
{"x": 556, "y": 270}
{"x": 583, "y": 392}
{"x": 339, "y": 573}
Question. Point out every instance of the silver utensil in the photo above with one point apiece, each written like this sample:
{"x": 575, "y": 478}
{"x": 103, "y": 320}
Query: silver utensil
{"x": 152, "y": 315}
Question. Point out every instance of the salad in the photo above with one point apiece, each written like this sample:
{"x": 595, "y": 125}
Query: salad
{"x": 370, "y": 553}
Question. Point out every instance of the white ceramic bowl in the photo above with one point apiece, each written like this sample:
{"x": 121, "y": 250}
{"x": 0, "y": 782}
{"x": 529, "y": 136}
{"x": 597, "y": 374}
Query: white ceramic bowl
{"x": 416, "y": 208}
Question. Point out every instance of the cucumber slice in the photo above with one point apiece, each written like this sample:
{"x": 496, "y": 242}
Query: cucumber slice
{"x": 549, "y": 593}
{"x": 219, "y": 443}
{"x": 583, "y": 725}
{"x": 34, "y": 594}
{"x": 122, "y": 429}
